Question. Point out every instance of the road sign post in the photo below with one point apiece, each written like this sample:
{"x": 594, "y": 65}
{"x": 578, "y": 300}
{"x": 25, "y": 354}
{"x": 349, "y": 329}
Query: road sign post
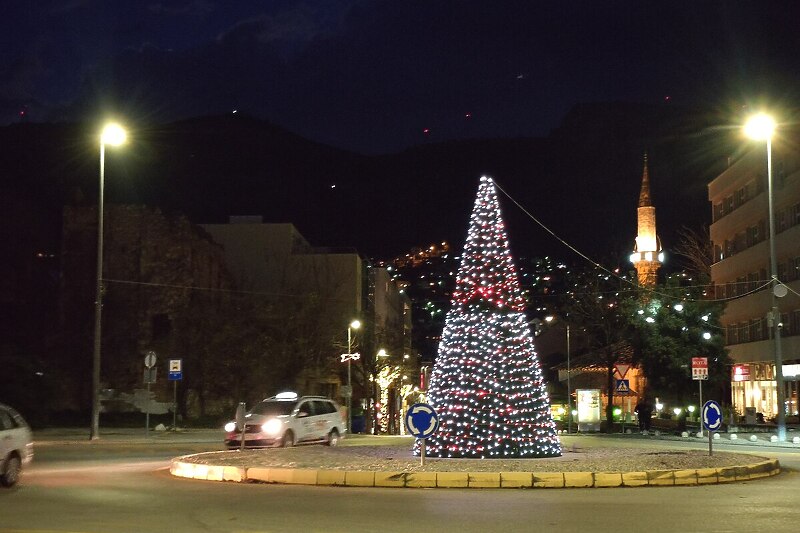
{"x": 711, "y": 416}
{"x": 422, "y": 422}
{"x": 175, "y": 375}
{"x": 700, "y": 374}
{"x": 149, "y": 377}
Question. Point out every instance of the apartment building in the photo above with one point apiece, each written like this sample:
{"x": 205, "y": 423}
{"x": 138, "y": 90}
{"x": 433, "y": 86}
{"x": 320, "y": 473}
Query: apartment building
{"x": 741, "y": 275}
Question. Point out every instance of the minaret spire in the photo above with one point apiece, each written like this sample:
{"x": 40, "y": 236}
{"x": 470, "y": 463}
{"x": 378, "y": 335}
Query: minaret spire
{"x": 647, "y": 254}
{"x": 644, "y": 195}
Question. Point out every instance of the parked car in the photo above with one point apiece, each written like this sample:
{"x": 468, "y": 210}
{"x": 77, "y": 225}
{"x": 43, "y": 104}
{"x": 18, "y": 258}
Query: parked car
{"x": 16, "y": 445}
{"x": 286, "y": 420}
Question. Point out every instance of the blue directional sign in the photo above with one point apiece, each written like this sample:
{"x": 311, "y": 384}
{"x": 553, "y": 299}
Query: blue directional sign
{"x": 175, "y": 370}
{"x": 711, "y": 415}
{"x": 421, "y": 420}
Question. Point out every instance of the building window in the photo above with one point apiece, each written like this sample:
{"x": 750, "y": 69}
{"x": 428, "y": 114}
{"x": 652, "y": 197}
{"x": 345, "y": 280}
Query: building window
{"x": 754, "y": 330}
{"x": 752, "y": 281}
{"x": 727, "y": 205}
{"x": 732, "y": 338}
{"x": 794, "y": 323}
{"x": 781, "y": 221}
{"x": 782, "y": 270}
{"x": 739, "y": 197}
{"x": 730, "y": 290}
{"x": 744, "y": 332}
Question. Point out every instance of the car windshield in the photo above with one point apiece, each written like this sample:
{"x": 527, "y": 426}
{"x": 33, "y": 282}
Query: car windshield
{"x": 273, "y": 408}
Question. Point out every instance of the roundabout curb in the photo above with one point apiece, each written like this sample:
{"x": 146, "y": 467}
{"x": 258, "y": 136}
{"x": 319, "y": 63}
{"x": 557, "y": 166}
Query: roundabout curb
{"x": 484, "y": 480}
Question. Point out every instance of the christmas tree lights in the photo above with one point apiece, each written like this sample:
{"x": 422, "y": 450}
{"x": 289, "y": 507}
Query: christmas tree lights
{"x": 486, "y": 385}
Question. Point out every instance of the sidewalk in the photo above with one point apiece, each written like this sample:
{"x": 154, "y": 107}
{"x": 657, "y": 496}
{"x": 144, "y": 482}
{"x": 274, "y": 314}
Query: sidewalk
{"x": 748, "y": 439}
{"x": 193, "y": 435}
{"x": 51, "y": 436}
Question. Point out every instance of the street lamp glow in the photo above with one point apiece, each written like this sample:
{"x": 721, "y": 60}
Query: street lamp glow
{"x": 355, "y": 324}
{"x": 677, "y": 411}
{"x": 382, "y": 353}
{"x": 760, "y": 127}
{"x": 113, "y": 134}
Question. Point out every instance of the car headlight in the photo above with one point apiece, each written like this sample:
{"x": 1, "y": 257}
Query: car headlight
{"x": 230, "y": 426}
{"x": 272, "y": 426}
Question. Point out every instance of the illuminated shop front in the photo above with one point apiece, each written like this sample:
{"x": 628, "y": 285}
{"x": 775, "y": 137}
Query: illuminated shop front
{"x": 753, "y": 389}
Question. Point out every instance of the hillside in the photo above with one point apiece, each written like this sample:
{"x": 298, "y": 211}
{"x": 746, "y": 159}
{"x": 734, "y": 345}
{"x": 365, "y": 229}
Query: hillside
{"x": 582, "y": 180}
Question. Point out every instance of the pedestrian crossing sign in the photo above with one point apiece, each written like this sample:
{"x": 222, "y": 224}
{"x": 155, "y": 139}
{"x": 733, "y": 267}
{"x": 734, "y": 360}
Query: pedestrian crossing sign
{"x": 623, "y": 386}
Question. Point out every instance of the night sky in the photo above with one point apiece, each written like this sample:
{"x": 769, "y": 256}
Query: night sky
{"x": 380, "y": 76}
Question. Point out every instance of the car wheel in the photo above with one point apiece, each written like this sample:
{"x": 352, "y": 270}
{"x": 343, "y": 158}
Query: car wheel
{"x": 288, "y": 440}
{"x": 333, "y": 438}
{"x": 11, "y": 470}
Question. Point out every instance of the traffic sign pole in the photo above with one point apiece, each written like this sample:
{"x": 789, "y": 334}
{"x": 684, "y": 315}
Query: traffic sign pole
{"x": 421, "y": 422}
{"x": 149, "y": 363}
{"x": 700, "y": 381}
{"x": 711, "y": 418}
{"x": 147, "y": 411}
{"x": 710, "y": 445}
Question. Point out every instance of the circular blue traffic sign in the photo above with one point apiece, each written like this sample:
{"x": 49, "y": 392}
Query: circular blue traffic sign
{"x": 421, "y": 420}
{"x": 711, "y": 415}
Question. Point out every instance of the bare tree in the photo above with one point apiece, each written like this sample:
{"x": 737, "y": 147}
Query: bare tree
{"x": 695, "y": 247}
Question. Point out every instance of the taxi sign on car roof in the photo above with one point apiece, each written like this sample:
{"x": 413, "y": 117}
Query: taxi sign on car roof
{"x": 286, "y": 396}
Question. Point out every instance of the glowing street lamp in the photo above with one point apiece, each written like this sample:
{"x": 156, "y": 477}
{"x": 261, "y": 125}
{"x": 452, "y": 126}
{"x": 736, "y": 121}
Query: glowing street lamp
{"x": 112, "y": 135}
{"x": 761, "y": 127}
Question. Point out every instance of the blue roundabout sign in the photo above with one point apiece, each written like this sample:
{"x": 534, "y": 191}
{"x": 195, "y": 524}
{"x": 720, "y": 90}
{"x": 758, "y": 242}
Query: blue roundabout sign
{"x": 711, "y": 415}
{"x": 421, "y": 420}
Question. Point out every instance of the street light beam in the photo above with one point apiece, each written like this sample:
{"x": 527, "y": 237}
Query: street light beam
{"x": 113, "y": 135}
{"x": 760, "y": 127}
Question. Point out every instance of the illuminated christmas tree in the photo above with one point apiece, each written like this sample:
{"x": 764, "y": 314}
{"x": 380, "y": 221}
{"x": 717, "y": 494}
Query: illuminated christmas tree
{"x": 487, "y": 386}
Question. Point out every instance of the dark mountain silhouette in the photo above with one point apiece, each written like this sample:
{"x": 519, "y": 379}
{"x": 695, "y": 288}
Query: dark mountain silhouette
{"x": 582, "y": 180}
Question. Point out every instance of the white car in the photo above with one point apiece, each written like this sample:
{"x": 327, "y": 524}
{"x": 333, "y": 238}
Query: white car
{"x": 16, "y": 445}
{"x": 286, "y": 420}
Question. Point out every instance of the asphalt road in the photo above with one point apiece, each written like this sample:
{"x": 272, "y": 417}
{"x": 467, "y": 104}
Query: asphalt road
{"x": 125, "y": 487}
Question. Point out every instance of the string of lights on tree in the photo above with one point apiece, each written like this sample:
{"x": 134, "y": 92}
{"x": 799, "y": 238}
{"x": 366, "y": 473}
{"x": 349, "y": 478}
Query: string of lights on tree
{"x": 487, "y": 385}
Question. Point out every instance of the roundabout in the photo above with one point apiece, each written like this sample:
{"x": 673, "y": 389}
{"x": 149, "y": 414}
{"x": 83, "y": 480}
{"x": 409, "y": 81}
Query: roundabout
{"x": 587, "y": 462}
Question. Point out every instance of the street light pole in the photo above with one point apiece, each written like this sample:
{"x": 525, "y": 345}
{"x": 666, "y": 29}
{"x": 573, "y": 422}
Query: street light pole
{"x": 569, "y": 389}
{"x": 349, "y": 386}
{"x": 761, "y": 127}
{"x": 355, "y": 324}
{"x": 776, "y": 314}
{"x": 114, "y": 135}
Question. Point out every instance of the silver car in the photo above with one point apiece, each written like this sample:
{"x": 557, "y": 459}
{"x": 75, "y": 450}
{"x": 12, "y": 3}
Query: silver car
{"x": 16, "y": 445}
{"x": 286, "y": 420}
